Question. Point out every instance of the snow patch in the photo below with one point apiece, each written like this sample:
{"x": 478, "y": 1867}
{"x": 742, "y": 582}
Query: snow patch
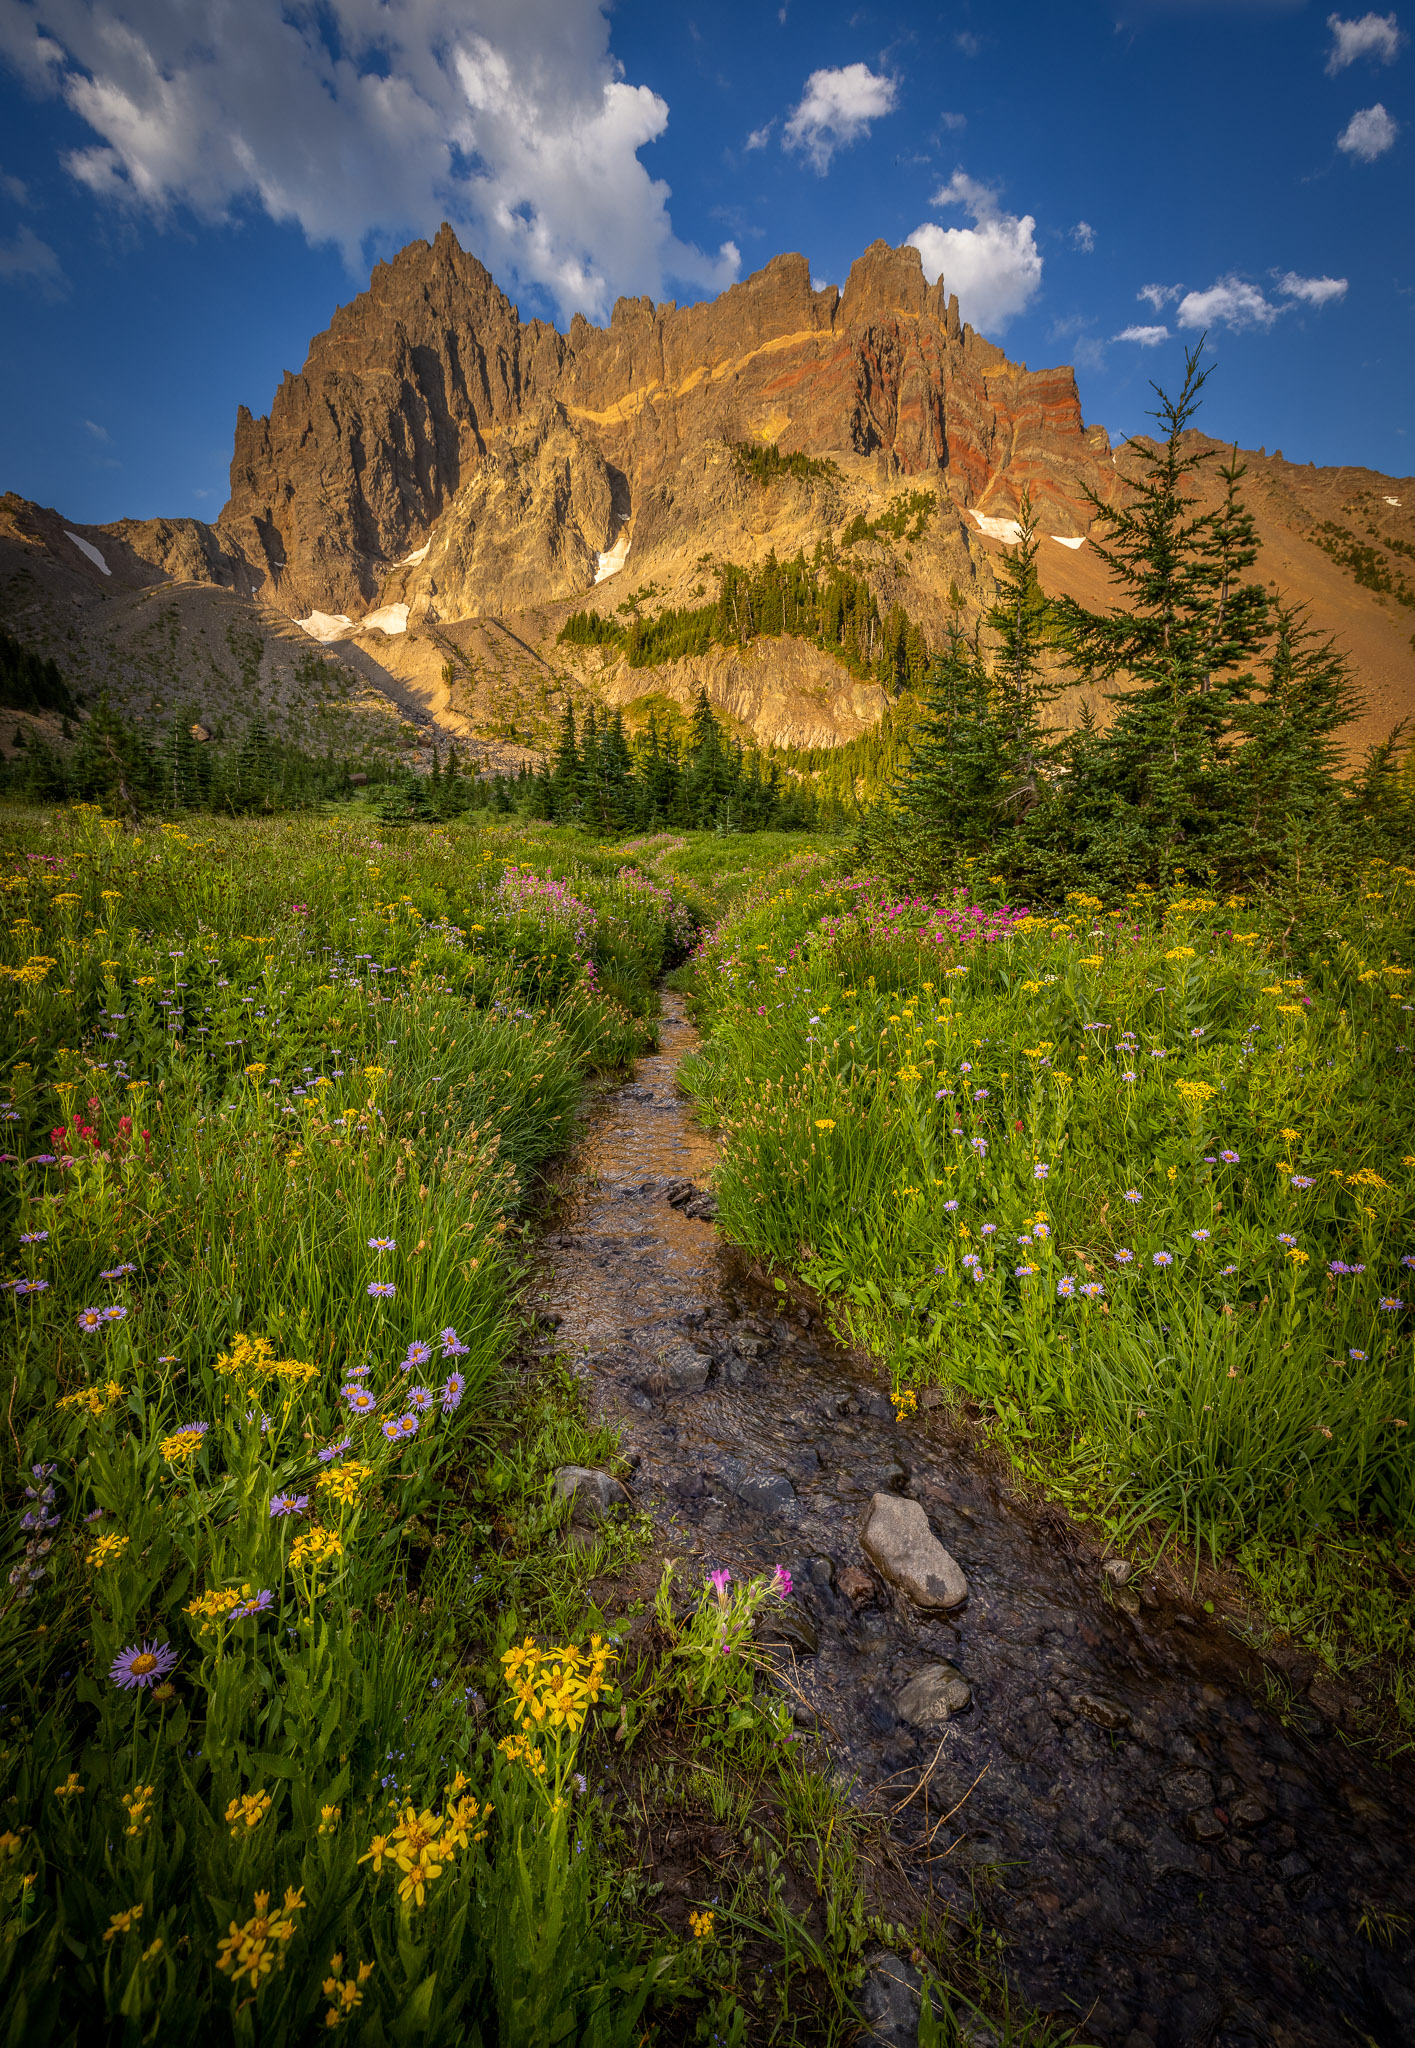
{"x": 326, "y": 626}
{"x": 418, "y": 555}
{"x": 86, "y": 547}
{"x": 1389, "y": 501}
{"x": 392, "y": 618}
{"x": 998, "y": 529}
{"x": 1064, "y": 540}
{"x": 614, "y": 558}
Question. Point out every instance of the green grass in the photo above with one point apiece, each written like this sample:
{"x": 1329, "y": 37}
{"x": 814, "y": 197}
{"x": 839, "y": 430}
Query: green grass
{"x": 1160, "y": 1332}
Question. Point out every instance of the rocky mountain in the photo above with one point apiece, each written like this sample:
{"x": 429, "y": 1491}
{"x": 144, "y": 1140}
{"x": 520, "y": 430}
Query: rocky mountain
{"x": 443, "y": 483}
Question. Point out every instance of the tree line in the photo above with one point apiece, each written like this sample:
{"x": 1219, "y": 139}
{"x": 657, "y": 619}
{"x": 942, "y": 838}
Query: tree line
{"x": 821, "y": 600}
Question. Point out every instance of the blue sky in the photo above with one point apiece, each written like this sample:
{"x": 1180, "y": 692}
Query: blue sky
{"x": 189, "y": 187}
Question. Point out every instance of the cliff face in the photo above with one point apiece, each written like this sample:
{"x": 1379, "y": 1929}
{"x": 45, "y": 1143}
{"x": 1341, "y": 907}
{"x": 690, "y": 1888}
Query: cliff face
{"x": 428, "y": 396}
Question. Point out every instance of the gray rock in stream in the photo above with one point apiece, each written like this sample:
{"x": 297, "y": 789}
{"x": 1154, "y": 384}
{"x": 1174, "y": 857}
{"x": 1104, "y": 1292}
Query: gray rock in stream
{"x": 766, "y": 1491}
{"x": 934, "y": 1695}
{"x": 593, "y": 1493}
{"x": 679, "y": 1369}
{"x": 890, "y": 2001}
{"x": 898, "y": 1541}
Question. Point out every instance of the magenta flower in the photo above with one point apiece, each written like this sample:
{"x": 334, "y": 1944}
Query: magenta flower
{"x": 142, "y": 1664}
{"x": 781, "y": 1582}
{"x": 720, "y": 1580}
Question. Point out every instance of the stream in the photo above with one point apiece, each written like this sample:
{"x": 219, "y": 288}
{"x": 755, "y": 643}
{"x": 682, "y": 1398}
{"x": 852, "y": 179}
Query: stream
{"x": 1169, "y": 1863}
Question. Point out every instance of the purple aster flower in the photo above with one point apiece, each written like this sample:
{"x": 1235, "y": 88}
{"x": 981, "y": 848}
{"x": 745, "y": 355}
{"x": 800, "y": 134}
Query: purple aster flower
{"x": 359, "y": 1372}
{"x": 1229, "y": 1158}
{"x": 94, "y": 1515}
{"x": 114, "y": 1313}
{"x": 119, "y": 1272}
{"x": 1132, "y": 1195}
{"x": 988, "y": 1230}
{"x": 1040, "y": 1170}
{"x": 141, "y": 1665}
{"x": 409, "y": 1424}
{"x": 1390, "y": 1304}
{"x": 359, "y": 1399}
{"x": 31, "y": 1286}
{"x": 1124, "y": 1256}
{"x": 382, "y": 1290}
{"x": 1164, "y": 1258}
{"x": 288, "y": 1504}
{"x": 420, "y": 1399}
{"x": 418, "y": 1354}
{"x": 452, "y": 1393}
{"x": 1066, "y": 1287}
{"x": 383, "y": 1244}
{"x": 1199, "y": 1236}
{"x": 90, "y": 1318}
{"x": 330, "y": 1452}
{"x": 1093, "y": 1289}
{"x": 392, "y": 1429}
{"x": 1303, "y": 1180}
{"x": 1227, "y": 1272}
{"x": 33, "y": 1236}
{"x": 980, "y": 1146}
{"x": 1024, "y": 1272}
{"x": 259, "y": 1603}
{"x": 950, "y": 1205}
{"x": 1359, "y": 1356}
{"x": 452, "y": 1346}
{"x": 1286, "y": 1237}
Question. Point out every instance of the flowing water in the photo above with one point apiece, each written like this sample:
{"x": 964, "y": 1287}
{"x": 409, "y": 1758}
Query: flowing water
{"x": 1170, "y": 1863}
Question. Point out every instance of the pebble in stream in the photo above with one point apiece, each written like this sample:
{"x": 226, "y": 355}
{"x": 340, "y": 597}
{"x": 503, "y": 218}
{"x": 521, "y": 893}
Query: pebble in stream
{"x": 1169, "y": 1864}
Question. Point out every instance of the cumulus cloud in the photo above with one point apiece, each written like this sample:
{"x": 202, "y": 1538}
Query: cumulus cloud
{"x": 1237, "y": 303}
{"x": 1313, "y": 291}
{"x": 1370, "y": 35}
{"x": 1084, "y": 236}
{"x": 1147, "y": 337}
{"x": 836, "y": 109}
{"x": 361, "y": 121}
{"x": 24, "y": 259}
{"x": 1160, "y": 295}
{"x": 1232, "y": 302}
{"x": 1368, "y": 134}
{"x": 759, "y": 137}
{"x": 994, "y": 266}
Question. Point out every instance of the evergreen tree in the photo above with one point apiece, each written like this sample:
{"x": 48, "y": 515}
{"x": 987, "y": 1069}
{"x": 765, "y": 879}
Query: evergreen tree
{"x": 1182, "y": 638}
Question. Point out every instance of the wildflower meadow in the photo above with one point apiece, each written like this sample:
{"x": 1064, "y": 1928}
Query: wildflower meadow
{"x": 276, "y": 1095}
{"x": 1137, "y": 1180}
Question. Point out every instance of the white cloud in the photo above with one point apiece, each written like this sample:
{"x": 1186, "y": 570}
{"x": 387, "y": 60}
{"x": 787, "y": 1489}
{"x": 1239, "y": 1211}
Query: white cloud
{"x": 362, "y": 121}
{"x": 953, "y": 122}
{"x": 1160, "y": 295}
{"x": 1370, "y": 35}
{"x": 759, "y": 137}
{"x": 14, "y": 188}
{"x": 1368, "y": 134}
{"x": 99, "y": 433}
{"x": 1084, "y": 236}
{"x": 25, "y": 259}
{"x": 1147, "y": 337}
{"x": 994, "y": 266}
{"x": 1232, "y": 302}
{"x": 837, "y": 108}
{"x": 1313, "y": 291}
{"x": 967, "y": 42}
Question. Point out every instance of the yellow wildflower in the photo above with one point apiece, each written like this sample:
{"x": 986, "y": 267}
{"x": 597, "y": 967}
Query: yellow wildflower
{"x": 346, "y": 1992}
{"x": 106, "y": 1550}
{"x": 247, "y": 1811}
{"x": 702, "y": 1925}
{"x": 124, "y": 1922}
{"x": 139, "y": 1805}
{"x": 825, "y": 1123}
{"x": 181, "y": 1446}
{"x": 253, "y": 1950}
{"x": 329, "y": 1818}
{"x": 70, "y": 1787}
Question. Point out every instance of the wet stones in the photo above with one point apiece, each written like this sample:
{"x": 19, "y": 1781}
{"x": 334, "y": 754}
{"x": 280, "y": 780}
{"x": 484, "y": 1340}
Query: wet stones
{"x": 891, "y": 1999}
{"x": 767, "y": 1492}
{"x": 691, "y": 1199}
{"x": 855, "y": 1585}
{"x": 1108, "y": 1714}
{"x": 591, "y": 1493}
{"x": 934, "y": 1695}
{"x": 678, "y": 1369}
{"x": 897, "y": 1539}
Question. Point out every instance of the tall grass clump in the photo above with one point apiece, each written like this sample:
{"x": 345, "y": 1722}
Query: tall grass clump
{"x": 274, "y": 1098}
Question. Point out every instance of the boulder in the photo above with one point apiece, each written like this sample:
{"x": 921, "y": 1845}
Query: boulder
{"x": 898, "y": 1541}
{"x": 592, "y": 1493}
{"x": 890, "y": 2001}
{"x": 934, "y": 1695}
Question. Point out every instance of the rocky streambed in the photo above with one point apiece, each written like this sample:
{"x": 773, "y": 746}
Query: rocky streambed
{"x": 1169, "y": 1860}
